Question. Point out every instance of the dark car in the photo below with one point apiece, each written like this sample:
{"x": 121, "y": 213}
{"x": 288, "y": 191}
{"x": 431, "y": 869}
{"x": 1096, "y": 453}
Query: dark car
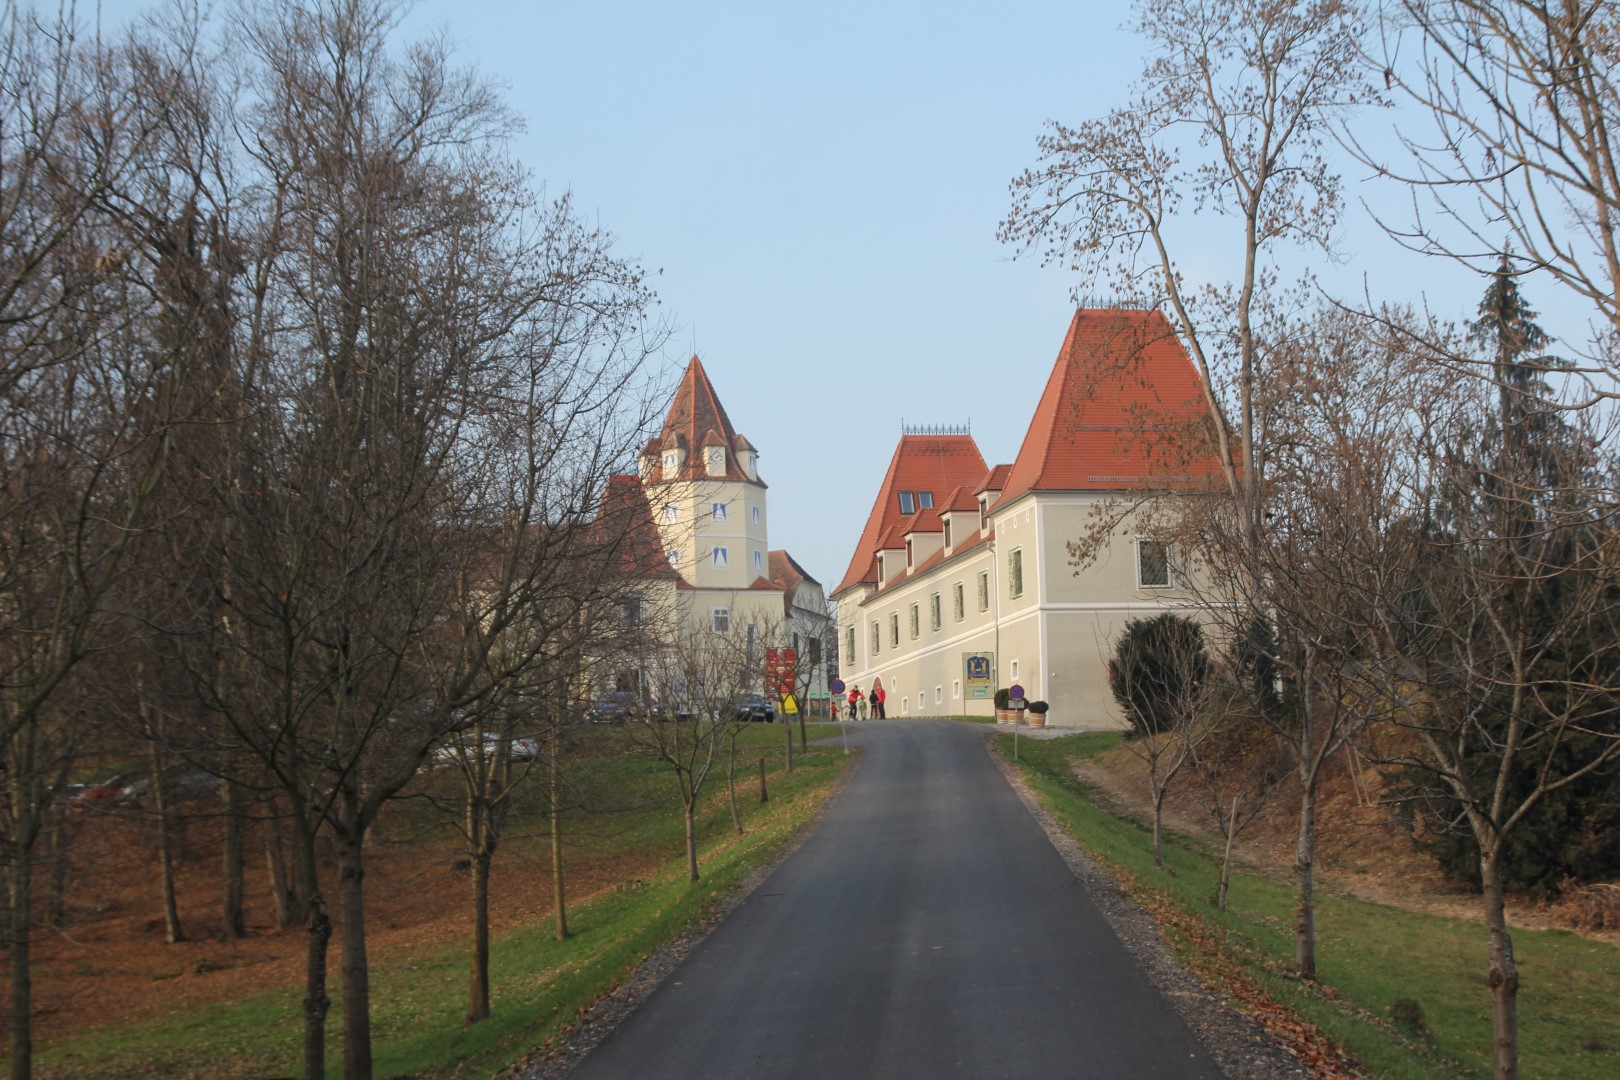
{"x": 756, "y": 707}
{"x": 615, "y": 707}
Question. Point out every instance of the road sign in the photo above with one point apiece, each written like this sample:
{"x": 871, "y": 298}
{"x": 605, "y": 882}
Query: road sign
{"x": 790, "y": 705}
{"x": 837, "y": 686}
{"x": 781, "y": 669}
{"x": 1015, "y": 692}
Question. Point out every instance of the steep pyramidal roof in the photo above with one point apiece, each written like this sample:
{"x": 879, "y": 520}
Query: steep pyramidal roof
{"x": 624, "y": 527}
{"x": 1123, "y": 407}
{"x": 697, "y": 420}
{"x": 936, "y": 464}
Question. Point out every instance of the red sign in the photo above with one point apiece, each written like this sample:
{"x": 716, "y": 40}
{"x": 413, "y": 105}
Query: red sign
{"x": 781, "y": 670}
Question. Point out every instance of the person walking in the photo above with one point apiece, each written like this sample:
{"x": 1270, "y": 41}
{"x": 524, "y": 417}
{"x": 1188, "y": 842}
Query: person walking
{"x": 882, "y": 702}
{"x": 876, "y": 703}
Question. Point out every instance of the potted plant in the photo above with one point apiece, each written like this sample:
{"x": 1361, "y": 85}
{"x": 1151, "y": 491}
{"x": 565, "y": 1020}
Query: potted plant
{"x": 1004, "y": 706}
{"x": 1037, "y": 713}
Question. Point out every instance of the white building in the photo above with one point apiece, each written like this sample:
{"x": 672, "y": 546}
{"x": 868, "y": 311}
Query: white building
{"x": 966, "y": 571}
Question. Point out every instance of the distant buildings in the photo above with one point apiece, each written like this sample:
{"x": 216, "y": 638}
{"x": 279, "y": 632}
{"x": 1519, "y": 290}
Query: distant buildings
{"x": 964, "y": 579}
{"x": 698, "y": 548}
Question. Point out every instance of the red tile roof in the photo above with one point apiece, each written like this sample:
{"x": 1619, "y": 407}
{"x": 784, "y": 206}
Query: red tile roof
{"x": 625, "y": 526}
{"x": 1124, "y": 407}
{"x": 934, "y": 463}
{"x": 697, "y": 419}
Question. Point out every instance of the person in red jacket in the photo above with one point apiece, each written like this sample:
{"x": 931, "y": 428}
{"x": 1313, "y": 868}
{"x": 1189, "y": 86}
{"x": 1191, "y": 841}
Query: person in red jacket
{"x": 854, "y": 700}
{"x": 882, "y": 696}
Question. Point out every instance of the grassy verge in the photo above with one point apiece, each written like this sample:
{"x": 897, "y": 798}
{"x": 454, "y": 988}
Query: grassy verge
{"x": 538, "y": 985}
{"x": 1372, "y": 957}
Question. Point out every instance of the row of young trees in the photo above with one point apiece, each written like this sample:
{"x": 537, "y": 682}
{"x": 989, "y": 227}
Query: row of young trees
{"x": 1412, "y": 545}
{"x": 308, "y": 398}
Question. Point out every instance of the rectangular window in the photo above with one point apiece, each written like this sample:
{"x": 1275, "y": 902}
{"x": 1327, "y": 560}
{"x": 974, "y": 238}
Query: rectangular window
{"x": 939, "y": 695}
{"x": 720, "y": 620}
{"x": 717, "y": 511}
{"x": 908, "y": 502}
{"x": 1152, "y": 564}
{"x": 674, "y": 557}
{"x": 922, "y": 700}
{"x": 630, "y": 612}
{"x": 759, "y": 560}
{"x": 719, "y": 557}
{"x": 914, "y": 620}
{"x": 1015, "y": 573}
{"x": 756, "y": 515}
{"x": 672, "y": 513}
{"x": 1015, "y": 671}
{"x": 956, "y": 689}
{"x": 925, "y": 500}
{"x": 849, "y": 643}
{"x": 877, "y": 639}
{"x": 984, "y": 590}
{"x": 934, "y": 618}
{"x": 894, "y": 629}
{"x": 958, "y": 610}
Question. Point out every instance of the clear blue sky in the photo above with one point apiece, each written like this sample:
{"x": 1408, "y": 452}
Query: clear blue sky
{"x": 819, "y": 186}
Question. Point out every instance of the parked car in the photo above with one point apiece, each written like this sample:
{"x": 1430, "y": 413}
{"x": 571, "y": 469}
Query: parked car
{"x": 486, "y": 744}
{"x": 615, "y": 707}
{"x": 756, "y": 707}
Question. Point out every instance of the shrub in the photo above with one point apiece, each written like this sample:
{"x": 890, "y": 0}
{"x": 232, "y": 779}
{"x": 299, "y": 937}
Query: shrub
{"x": 1003, "y": 698}
{"x": 1038, "y": 707}
{"x": 1158, "y": 670}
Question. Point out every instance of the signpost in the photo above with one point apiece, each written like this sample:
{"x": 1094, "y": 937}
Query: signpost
{"x": 1015, "y": 694}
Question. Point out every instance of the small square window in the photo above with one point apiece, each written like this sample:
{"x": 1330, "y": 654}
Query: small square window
{"x": 1152, "y": 564}
{"x": 717, "y": 511}
{"x": 720, "y": 620}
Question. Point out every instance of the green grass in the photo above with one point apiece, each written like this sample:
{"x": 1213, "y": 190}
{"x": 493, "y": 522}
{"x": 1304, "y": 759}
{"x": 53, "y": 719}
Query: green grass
{"x": 538, "y": 984}
{"x": 1370, "y": 956}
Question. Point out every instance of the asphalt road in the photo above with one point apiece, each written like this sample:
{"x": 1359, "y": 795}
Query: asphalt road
{"x": 926, "y": 929}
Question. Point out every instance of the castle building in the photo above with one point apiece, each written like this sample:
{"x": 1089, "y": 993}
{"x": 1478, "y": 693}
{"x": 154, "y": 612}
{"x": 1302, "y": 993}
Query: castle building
{"x": 706, "y": 564}
{"x": 966, "y": 577}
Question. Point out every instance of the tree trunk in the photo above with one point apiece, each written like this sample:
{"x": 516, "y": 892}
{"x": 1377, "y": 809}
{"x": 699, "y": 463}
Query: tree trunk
{"x": 319, "y": 924}
{"x": 478, "y": 987}
{"x": 764, "y": 791}
{"x": 804, "y": 741}
{"x": 356, "y": 968}
{"x": 1226, "y": 859}
{"x": 1158, "y": 826}
{"x": 1304, "y": 860}
{"x": 1504, "y": 975}
{"x": 731, "y": 786}
{"x": 558, "y": 897}
{"x": 172, "y": 931}
{"x": 233, "y": 924}
{"x": 691, "y": 831}
{"x": 288, "y": 908}
{"x": 20, "y": 886}
{"x": 61, "y": 826}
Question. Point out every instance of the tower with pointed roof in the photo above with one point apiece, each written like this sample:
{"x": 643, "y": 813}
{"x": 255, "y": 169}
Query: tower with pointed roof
{"x": 703, "y": 502}
{"x": 959, "y": 560}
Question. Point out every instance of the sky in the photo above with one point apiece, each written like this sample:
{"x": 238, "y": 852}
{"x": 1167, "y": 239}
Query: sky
{"x": 818, "y": 189}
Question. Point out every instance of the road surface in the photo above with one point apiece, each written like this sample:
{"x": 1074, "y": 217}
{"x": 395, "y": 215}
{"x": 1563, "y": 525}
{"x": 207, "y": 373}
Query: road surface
{"x": 927, "y": 928}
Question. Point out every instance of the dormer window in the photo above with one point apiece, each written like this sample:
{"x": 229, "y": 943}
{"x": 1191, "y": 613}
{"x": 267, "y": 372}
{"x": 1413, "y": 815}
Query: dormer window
{"x": 984, "y": 508}
{"x": 669, "y": 460}
{"x": 911, "y": 555}
{"x": 947, "y": 532}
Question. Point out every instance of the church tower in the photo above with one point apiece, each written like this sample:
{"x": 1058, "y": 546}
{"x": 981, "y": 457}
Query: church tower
{"x": 702, "y": 483}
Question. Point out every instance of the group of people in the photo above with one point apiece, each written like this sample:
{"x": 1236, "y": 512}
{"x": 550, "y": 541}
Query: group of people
{"x": 862, "y": 705}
